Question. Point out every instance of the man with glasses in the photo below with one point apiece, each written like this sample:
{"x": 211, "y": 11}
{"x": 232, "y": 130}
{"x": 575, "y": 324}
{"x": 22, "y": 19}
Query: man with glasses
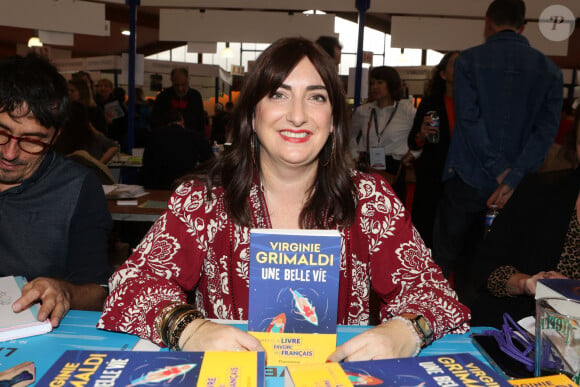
{"x": 54, "y": 219}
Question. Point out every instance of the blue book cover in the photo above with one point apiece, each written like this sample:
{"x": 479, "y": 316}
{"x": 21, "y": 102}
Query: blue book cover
{"x": 76, "y": 331}
{"x": 461, "y": 369}
{"x": 558, "y": 287}
{"x": 127, "y": 369}
{"x": 294, "y": 277}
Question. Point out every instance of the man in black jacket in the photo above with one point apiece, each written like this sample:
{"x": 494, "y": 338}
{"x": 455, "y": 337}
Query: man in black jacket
{"x": 182, "y": 98}
{"x": 171, "y": 152}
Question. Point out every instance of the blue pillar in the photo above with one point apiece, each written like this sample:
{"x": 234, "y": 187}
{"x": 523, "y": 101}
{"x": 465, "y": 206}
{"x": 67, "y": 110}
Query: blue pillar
{"x": 131, "y": 73}
{"x": 362, "y": 6}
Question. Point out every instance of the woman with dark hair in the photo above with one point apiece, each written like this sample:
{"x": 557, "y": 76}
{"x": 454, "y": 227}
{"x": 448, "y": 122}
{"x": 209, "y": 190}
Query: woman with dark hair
{"x": 77, "y": 134}
{"x": 79, "y": 91}
{"x": 287, "y": 168}
{"x": 381, "y": 127}
{"x": 429, "y": 166}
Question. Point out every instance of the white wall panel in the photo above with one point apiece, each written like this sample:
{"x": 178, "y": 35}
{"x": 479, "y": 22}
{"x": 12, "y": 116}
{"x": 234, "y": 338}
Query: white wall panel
{"x": 63, "y": 16}
{"x": 458, "y": 34}
{"x": 248, "y": 26}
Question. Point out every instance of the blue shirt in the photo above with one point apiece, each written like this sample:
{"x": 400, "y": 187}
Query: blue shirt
{"x": 56, "y": 224}
{"x": 508, "y": 99}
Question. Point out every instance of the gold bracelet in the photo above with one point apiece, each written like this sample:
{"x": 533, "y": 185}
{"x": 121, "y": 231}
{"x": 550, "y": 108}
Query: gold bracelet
{"x": 163, "y": 316}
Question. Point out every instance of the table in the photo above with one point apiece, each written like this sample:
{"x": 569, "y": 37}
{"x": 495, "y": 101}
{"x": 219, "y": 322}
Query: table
{"x": 77, "y": 331}
{"x": 148, "y": 207}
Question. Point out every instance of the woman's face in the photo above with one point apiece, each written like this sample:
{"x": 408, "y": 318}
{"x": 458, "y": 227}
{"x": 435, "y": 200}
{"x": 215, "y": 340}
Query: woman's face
{"x": 379, "y": 89}
{"x": 294, "y": 122}
{"x": 73, "y": 93}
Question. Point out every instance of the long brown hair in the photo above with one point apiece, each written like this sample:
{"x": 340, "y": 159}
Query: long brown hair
{"x": 332, "y": 201}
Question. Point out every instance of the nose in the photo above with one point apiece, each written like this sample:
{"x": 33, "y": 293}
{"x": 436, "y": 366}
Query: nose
{"x": 11, "y": 151}
{"x": 297, "y": 112}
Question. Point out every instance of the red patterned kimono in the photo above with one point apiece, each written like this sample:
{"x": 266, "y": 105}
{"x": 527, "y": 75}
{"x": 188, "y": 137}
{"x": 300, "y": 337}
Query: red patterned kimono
{"x": 194, "y": 247}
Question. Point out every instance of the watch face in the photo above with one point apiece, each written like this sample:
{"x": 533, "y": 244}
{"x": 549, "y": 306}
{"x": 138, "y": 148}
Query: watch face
{"x": 423, "y": 325}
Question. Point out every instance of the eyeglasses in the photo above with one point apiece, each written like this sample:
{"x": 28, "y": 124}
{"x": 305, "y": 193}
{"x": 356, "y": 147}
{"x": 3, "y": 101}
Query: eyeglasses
{"x": 28, "y": 145}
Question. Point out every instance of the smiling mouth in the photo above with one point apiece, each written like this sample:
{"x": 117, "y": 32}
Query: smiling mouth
{"x": 292, "y": 134}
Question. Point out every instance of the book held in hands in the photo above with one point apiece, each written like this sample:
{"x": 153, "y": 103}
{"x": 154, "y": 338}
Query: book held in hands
{"x": 293, "y": 296}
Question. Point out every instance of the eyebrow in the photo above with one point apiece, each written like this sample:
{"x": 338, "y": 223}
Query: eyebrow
{"x": 313, "y": 87}
{"x": 33, "y": 134}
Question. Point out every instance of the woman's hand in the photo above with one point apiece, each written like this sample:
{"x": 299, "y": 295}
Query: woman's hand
{"x": 426, "y": 129}
{"x": 391, "y": 339}
{"x": 527, "y": 284}
{"x": 204, "y": 335}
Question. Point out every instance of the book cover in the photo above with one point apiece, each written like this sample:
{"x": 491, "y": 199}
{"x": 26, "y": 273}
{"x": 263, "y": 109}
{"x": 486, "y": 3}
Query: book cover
{"x": 316, "y": 375}
{"x": 567, "y": 288}
{"x": 128, "y": 368}
{"x": 76, "y": 331}
{"x": 460, "y": 369}
{"x": 18, "y": 325}
{"x": 552, "y": 380}
{"x": 293, "y": 293}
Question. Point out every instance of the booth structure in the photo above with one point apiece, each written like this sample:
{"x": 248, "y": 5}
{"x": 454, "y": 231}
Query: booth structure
{"x": 151, "y": 75}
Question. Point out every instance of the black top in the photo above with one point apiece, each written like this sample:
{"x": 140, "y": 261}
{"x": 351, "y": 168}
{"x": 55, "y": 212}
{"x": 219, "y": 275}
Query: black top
{"x": 170, "y": 153}
{"x": 529, "y": 235}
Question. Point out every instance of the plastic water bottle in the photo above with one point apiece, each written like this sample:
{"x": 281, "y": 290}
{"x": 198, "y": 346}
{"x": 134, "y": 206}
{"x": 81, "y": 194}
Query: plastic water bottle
{"x": 434, "y": 137}
{"x": 490, "y": 216}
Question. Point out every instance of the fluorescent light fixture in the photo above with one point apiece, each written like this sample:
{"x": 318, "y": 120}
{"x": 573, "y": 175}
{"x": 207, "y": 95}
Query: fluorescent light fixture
{"x": 34, "y": 42}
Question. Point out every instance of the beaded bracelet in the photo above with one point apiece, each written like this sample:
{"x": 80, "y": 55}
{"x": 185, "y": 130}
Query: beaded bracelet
{"x": 179, "y": 325}
{"x": 412, "y": 328}
{"x": 170, "y": 319}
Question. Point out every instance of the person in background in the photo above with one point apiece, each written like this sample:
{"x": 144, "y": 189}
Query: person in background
{"x": 85, "y": 76}
{"x": 332, "y": 46}
{"x": 77, "y": 134}
{"x": 142, "y": 116}
{"x": 380, "y": 129}
{"x": 429, "y": 166}
{"x": 220, "y": 123}
{"x": 537, "y": 235}
{"x": 508, "y": 98}
{"x": 78, "y": 91}
{"x": 111, "y": 100}
{"x": 171, "y": 152}
{"x": 181, "y": 97}
{"x": 287, "y": 168}
{"x": 54, "y": 219}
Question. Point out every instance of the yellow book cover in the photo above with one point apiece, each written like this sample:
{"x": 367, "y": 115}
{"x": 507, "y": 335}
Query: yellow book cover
{"x": 296, "y": 348}
{"x": 316, "y": 375}
{"x": 221, "y": 368}
{"x": 293, "y": 295}
{"x": 544, "y": 381}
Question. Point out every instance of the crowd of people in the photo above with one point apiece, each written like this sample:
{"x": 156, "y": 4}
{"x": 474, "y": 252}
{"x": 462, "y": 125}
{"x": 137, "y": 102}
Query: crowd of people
{"x": 300, "y": 160}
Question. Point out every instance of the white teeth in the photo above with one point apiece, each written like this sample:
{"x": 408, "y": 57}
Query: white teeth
{"x": 294, "y": 134}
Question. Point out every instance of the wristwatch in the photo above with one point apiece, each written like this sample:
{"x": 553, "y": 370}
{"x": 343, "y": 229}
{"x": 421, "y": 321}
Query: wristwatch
{"x": 423, "y": 330}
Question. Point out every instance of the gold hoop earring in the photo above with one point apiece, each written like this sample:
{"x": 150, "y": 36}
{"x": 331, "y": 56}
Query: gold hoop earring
{"x": 331, "y": 151}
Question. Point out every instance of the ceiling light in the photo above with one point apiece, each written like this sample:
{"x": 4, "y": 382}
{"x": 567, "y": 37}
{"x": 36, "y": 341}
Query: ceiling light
{"x": 34, "y": 42}
{"x": 227, "y": 52}
{"x": 126, "y": 32}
